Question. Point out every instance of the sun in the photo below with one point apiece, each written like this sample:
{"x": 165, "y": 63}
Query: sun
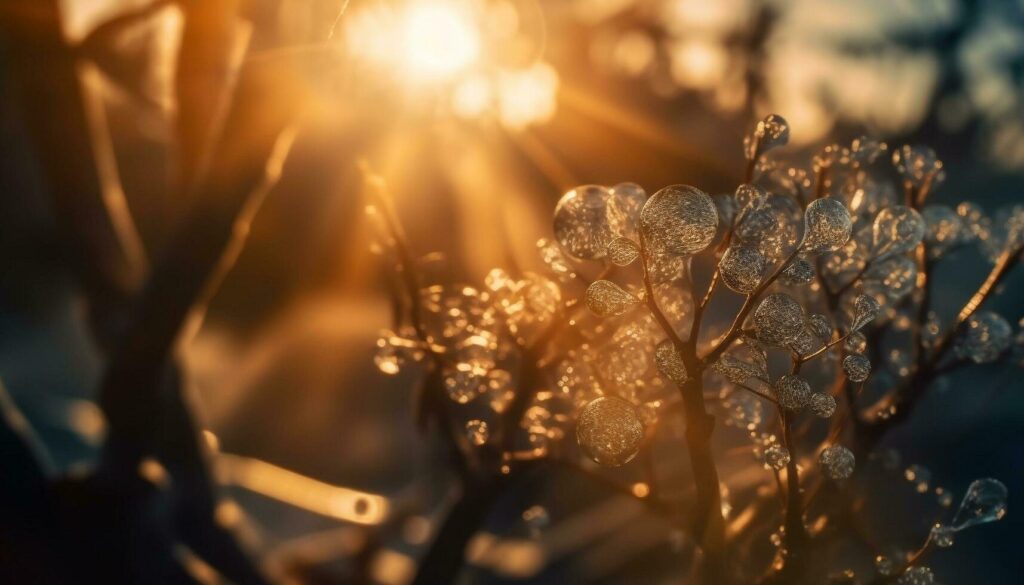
{"x": 439, "y": 40}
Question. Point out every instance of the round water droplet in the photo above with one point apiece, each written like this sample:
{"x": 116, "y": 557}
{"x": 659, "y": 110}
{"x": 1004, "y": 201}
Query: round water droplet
{"x": 623, "y": 251}
{"x": 827, "y": 226}
{"x": 984, "y": 502}
{"x": 822, "y": 405}
{"x": 857, "y": 367}
{"x": 609, "y": 431}
{"x": 679, "y": 220}
{"x": 799, "y": 273}
{"x": 793, "y": 392}
{"x": 669, "y": 363}
{"x": 477, "y": 432}
{"x": 607, "y": 299}
{"x": 896, "y": 230}
{"x": 741, "y": 269}
{"x": 778, "y": 319}
{"x": 776, "y": 457}
{"x": 984, "y": 337}
{"x": 837, "y": 462}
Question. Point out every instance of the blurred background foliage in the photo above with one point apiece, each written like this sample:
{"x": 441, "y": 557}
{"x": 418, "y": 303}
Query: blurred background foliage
{"x": 542, "y": 96}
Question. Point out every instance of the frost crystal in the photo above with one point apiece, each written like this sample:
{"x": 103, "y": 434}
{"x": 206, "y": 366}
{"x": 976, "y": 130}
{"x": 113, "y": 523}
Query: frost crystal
{"x": 609, "y": 431}
{"x": 679, "y": 220}
{"x": 741, "y": 269}
{"x": 986, "y": 335}
{"x": 793, "y": 392}
{"x": 778, "y": 319}
{"x": 623, "y": 251}
{"x": 607, "y": 299}
{"x": 896, "y": 230}
{"x": 857, "y": 367}
{"x": 827, "y": 226}
{"x": 837, "y": 462}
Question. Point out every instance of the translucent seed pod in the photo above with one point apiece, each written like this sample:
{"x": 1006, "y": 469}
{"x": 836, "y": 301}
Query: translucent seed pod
{"x": 857, "y": 367}
{"x": 819, "y": 326}
{"x": 741, "y": 269}
{"x": 827, "y": 226}
{"x": 778, "y": 319}
{"x": 799, "y": 273}
{"x": 679, "y": 220}
{"x": 837, "y": 462}
{"x": 623, "y": 251}
{"x": 896, "y": 230}
{"x": 864, "y": 149}
{"x": 606, "y": 299}
{"x": 609, "y": 431}
{"x": 918, "y": 165}
{"x": 917, "y": 576}
{"x": 822, "y": 405}
{"x": 581, "y": 222}
{"x": 477, "y": 432}
{"x": 984, "y": 502}
{"x": 984, "y": 338}
{"x": 865, "y": 309}
{"x": 793, "y": 392}
{"x": 769, "y": 133}
{"x": 669, "y": 363}
{"x": 855, "y": 343}
{"x": 776, "y": 457}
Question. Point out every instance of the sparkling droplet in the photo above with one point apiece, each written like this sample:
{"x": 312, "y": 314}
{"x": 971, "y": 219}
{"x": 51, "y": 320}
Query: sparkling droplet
{"x": 669, "y": 363}
{"x": 865, "y": 309}
{"x": 827, "y": 226}
{"x": 741, "y": 269}
{"x": 857, "y": 367}
{"x": 770, "y": 132}
{"x": 463, "y": 382}
{"x": 609, "y": 431}
{"x": 917, "y": 576}
{"x": 793, "y": 392}
{"x": 984, "y": 338}
{"x": 896, "y": 230}
{"x": 679, "y": 220}
{"x": 822, "y": 405}
{"x": 394, "y": 351}
{"x": 778, "y": 319}
{"x": 776, "y": 457}
{"x": 623, "y": 251}
{"x": 799, "y": 273}
{"x": 984, "y": 502}
{"x": 837, "y": 462}
{"x": 477, "y": 432}
{"x": 607, "y": 299}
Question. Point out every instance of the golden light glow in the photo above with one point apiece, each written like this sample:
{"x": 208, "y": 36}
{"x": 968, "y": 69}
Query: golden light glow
{"x": 439, "y": 40}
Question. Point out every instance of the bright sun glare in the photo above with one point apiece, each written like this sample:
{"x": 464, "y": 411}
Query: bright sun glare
{"x": 439, "y": 40}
